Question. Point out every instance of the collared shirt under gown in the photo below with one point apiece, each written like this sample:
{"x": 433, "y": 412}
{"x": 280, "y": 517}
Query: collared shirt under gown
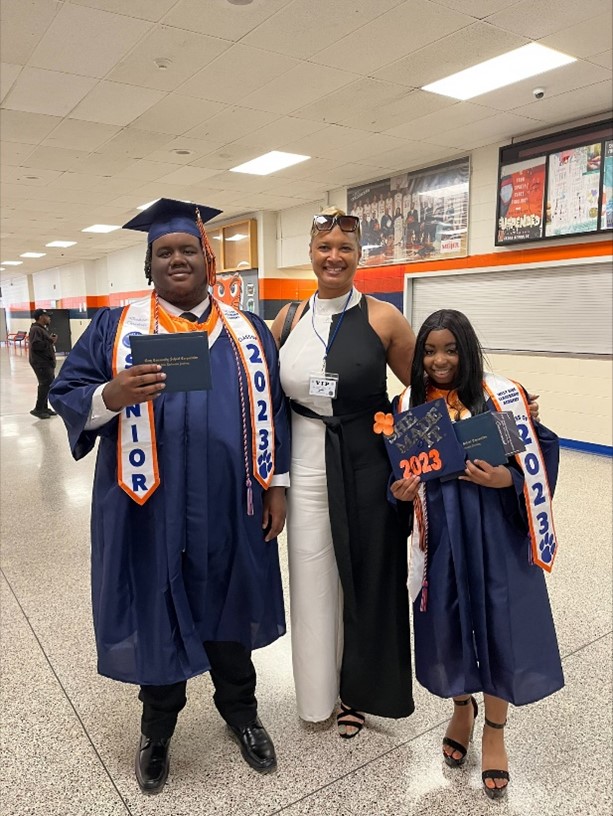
{"x": 189, "y": 565}
{"x": 339, "y": 519}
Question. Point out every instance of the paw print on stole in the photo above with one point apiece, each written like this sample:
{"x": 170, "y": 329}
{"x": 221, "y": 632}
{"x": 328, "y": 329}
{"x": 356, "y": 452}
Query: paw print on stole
{"x": 264, "y": 464}
{"x": 547, "y": 546}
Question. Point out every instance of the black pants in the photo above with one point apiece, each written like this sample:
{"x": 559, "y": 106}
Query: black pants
{"x": 233, "y": 676}
{"x": 45, "y": 376}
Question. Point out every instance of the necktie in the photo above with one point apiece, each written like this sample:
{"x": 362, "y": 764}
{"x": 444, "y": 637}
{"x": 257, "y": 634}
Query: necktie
{"x": 189, "y": 316}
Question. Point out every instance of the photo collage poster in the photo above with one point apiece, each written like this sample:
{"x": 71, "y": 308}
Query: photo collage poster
{"x": 412, "y": 217}
{"x": 572, "y": 191}
{"x": 606, "y": 215}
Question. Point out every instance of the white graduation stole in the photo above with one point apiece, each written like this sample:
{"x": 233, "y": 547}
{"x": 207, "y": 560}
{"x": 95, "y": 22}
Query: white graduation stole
{"x": 137, "y": 465}
{"x": 506, "y": 396}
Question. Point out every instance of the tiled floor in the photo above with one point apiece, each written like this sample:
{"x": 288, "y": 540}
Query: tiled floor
{"x": 69, "y": 736}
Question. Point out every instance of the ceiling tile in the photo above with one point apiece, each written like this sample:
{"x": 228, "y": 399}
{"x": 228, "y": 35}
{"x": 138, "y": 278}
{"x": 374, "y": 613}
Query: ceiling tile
{"x": 476, "y": 8}
{"x": 75, "y": 181}
{"x": 232, "y": 123}
{"x": 548, "y": 17}
{"x": 8, "y": 75}
{"x": 115, "y": 104}
{"x": 375, "y": 105}
{"x": 427, "y": 127}
{"x": 412, "y": 155}
{"x": 588, "y": 101}
{"x": 401, "y": 30}
{"x": 303, "y": 28}
{"x": 29, "y": 128}
{"x": 177, "y": 114}
{"x": 470, "y": 46}
{"x": 187, "y": 53}
{"x": 14, "y": 153}
{"x": 576, "y": 75}
{"x": 87, "y": 41}
{"x": 501, "y": 127}
{"x": 188, "y": 175}
{"x": 40, "y": 91}
{"x": 75, "y": 134}
{"x": 196, "y": 147}
{"x": 327, "y": 141}
{"x": 152, "y": 10}
{"x": 221, "y": 19}
{"x": 99, "y": 165}
{"x": 605, "y": 59}
{"x": 278, "y": 133}
{"x": 231, "y": 76}
{"x": 134, "y": 143}
{"x": 225, "y": 157}
{"x": 367, "y": 149}
{"x": 584, "y": 38}
{"x": 55, "y": 158}
{"x": 145, "y": 170}
{"x": 28, "y": 177}
{"x": 300, "y": 86}
{"x": 23, "y": 26}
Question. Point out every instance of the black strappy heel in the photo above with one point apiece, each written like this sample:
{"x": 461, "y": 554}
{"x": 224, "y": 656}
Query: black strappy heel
{"x": 495, "y": 793}
{"x": 457, "y": 746}
{"x": 342, "y": 719}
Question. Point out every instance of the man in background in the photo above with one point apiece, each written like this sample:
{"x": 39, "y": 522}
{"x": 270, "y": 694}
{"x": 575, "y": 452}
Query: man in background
{"x": 42, "y": 359}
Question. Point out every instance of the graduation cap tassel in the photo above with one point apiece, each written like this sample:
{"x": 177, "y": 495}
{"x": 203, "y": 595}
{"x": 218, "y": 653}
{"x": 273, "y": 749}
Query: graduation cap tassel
{"x": 207, "y": 249}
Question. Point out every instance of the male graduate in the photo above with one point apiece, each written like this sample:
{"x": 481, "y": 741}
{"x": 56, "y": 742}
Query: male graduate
{"x": 188, "y": 495}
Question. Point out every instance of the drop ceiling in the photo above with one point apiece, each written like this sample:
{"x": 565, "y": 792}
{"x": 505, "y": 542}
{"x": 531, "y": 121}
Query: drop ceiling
{"x": 108, "y": 104}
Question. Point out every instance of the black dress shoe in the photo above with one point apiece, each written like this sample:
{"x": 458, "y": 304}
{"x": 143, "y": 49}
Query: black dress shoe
{"x": 256, "y": 746}
{"x": 40, "y": 414}
{"x": 49, "y": 412}
{"x": 152, "y": 764}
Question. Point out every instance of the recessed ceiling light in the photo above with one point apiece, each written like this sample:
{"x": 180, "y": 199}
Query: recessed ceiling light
{"x": 147, "y": 205}
{"x": 32, "y": 254}
{"x": 101, "y": 228}
{"x": 506, "y": 69}
{"x": 182, "y": 152}
{"x": 12, "y": 263}
{"x": 240, "y": 2}
{"x": 61, "y": 244}
{"x": 32, "y": 178}
{"x": 269, "y": 163}
{"x": 163, "y": 63}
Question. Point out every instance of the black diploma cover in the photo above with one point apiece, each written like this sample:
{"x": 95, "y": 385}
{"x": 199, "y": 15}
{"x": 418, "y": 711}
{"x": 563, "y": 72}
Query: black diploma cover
{"x": 184, "y": 357}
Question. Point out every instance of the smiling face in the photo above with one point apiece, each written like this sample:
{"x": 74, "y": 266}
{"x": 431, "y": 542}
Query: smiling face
{"x": 334, "y": 256}
{"x": 178, "y": 269}
{"x": 441, "y": 358}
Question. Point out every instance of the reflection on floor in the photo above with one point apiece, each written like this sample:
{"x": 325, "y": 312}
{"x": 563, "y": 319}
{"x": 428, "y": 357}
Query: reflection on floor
{"x": 69, "y": 736}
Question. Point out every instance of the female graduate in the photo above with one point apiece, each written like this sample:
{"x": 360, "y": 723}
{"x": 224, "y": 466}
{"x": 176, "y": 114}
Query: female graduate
{"x": 482, "y": 618}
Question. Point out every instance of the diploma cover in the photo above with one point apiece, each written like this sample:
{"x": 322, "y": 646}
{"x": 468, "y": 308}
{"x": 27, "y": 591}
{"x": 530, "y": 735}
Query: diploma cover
{"x": 184, "y": 357}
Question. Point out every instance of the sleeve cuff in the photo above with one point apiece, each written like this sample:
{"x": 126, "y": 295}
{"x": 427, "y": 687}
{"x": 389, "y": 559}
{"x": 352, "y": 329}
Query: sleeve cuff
{"x": 99, "y": 414}
{"x": 280, "y": 480}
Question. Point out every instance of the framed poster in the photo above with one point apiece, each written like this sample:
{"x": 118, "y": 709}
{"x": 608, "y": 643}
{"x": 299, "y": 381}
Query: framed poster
{"x": 606, "y": 207}
{"x": 556, "y": 185}
{"x": 521, "y": 193}
{"x": 572, "y": 190}
{"x": 415, "y": 216}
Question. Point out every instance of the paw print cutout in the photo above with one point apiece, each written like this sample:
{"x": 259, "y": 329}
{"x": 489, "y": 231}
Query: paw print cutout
{"x": 264, "y": 464}
{"x": 547, "y": 547}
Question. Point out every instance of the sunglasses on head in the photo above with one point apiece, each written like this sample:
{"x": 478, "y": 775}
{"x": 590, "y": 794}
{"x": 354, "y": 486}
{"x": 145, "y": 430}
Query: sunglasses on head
{"x": 324, "y": 223}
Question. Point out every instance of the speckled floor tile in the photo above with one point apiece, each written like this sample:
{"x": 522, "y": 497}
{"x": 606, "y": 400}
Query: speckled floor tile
{"x": 48, "y": 764}
{"x": 391, "y": 768}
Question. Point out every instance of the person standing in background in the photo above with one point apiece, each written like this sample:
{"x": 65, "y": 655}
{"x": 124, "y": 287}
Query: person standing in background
{"x": 41, "y": 354}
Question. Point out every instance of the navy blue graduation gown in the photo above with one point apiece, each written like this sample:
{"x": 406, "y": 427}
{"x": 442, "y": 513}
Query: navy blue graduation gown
{"x": 488, "y": 625}
{"x": 189, "y": 565}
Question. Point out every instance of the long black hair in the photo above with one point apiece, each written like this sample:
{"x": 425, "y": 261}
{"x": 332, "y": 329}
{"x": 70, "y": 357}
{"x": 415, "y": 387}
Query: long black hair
{"x": 469, "y": 381}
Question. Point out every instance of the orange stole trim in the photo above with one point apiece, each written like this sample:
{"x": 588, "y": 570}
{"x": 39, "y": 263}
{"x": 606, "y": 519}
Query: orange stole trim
{"x": 149, "y": 403}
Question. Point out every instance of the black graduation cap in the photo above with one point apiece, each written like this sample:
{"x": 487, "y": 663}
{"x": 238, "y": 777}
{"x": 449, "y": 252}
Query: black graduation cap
{"x": 168, "y": 215}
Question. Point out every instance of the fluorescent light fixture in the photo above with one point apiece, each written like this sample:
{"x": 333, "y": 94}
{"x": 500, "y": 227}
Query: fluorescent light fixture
{"x": 147, "y": 205}
{"x": 12, "y": 263}
{"x": 61, "y": 244}
{"x": 32, "y": 254}
{"x": 521, "y": 63}
{"x": 269, "y": 163}
{"x": 101, "y": 228}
